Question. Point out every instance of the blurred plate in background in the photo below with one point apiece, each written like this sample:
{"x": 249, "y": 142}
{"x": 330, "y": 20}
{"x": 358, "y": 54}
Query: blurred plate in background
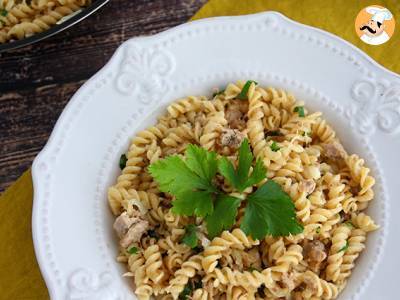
{"x": 65, "y": 23}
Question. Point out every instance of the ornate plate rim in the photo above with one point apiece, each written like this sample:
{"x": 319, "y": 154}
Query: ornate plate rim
{"x": 38, "y": 165}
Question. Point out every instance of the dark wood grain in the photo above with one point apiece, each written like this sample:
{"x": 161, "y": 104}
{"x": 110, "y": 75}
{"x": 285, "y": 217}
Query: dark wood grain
{"x": 37, "y": 81}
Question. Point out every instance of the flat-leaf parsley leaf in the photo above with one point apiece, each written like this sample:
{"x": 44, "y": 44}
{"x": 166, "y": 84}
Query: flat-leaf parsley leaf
{"x": 270, "y": 211}
{"x": 189, "y": 181}
{"x": 240, "y": 178}
{"x": 223, "y": 216}
{"x": 174, "y": 176}
{"x": 202, "y": 162}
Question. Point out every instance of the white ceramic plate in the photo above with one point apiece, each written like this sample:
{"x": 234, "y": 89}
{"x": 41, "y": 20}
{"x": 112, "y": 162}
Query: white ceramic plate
{"x": 72, "y": 225}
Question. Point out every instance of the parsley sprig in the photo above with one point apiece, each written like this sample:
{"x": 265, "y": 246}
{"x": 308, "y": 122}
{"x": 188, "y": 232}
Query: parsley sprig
{"x": 191, "y": 180}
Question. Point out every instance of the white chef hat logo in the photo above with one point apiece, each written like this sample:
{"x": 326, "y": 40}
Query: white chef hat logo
{"x": 379, "y": 14}
{"x": 375, "y": 25}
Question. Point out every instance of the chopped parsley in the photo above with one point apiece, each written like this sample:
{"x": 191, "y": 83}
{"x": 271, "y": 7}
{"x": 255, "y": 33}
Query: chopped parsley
{"x": 3, "y": 12}
{"x": 300, "y": 111}
{"x": 133, "y": 250}
{"x": 349, "y": 224}
{"x": 251, "y": 269}
{"x": 318, "y": 230}
{"x": 122, "y": 161}
{"x": 274, "y": 146}
{"x": 345, "y": 247}
{"x": 218, "y": 93}
{"x": 187, "y": 291}
{"x": 243, "y": 93}
{"x": 190, "y": 237}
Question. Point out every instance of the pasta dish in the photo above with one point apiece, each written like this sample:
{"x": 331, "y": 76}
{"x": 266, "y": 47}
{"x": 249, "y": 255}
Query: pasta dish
{"x": 23, "y": 18}
{"x": 242, "y": 195}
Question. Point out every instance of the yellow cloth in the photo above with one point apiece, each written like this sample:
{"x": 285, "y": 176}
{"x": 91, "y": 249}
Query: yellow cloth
{"x": 335, "y": 16}
{"x": 19, "y": 273}
{"x": 20, "y": 276}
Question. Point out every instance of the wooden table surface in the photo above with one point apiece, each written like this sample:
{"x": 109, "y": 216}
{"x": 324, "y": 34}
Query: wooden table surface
{"x": 37, "y": 81}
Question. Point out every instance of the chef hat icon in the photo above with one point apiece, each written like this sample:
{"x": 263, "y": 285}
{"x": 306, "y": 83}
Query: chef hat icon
{"x": 379, "y": 14}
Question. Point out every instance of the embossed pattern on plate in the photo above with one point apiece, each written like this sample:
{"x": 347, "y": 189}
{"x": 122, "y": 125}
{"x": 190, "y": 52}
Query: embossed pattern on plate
{"x": 72, "y": 232}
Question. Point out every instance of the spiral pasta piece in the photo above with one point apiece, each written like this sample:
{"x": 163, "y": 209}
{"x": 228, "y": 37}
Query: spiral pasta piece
{"x": 153, "y": 264}
{"x": 335, "y": 192}
{"x": 290, "y": 258}
{"x": 154, "y": 152}
{"x": 254, "y": 123}
{"x": 135, "y": 261}
{"x": 182, "y": 276}
{"x": 317, "y": 288}
{"x": 336, "y": 253}
{"x": 212, "y": 130}
{"x": 360, "y": 175}
{"x": 237, "y": 239}
{"x": 183, "y": 106}
{"x": 179, "y": 135}
{"x": 356, "y": 244}
{"x": 302, "y": 204}
{"x": 364, "y": 222}
{"x": 323, "y": 131}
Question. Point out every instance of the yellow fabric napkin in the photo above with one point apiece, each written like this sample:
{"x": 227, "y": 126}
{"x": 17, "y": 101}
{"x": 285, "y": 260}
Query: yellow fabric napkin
{"x": 20, "y": 277}
{"x": 335, "y": 16}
